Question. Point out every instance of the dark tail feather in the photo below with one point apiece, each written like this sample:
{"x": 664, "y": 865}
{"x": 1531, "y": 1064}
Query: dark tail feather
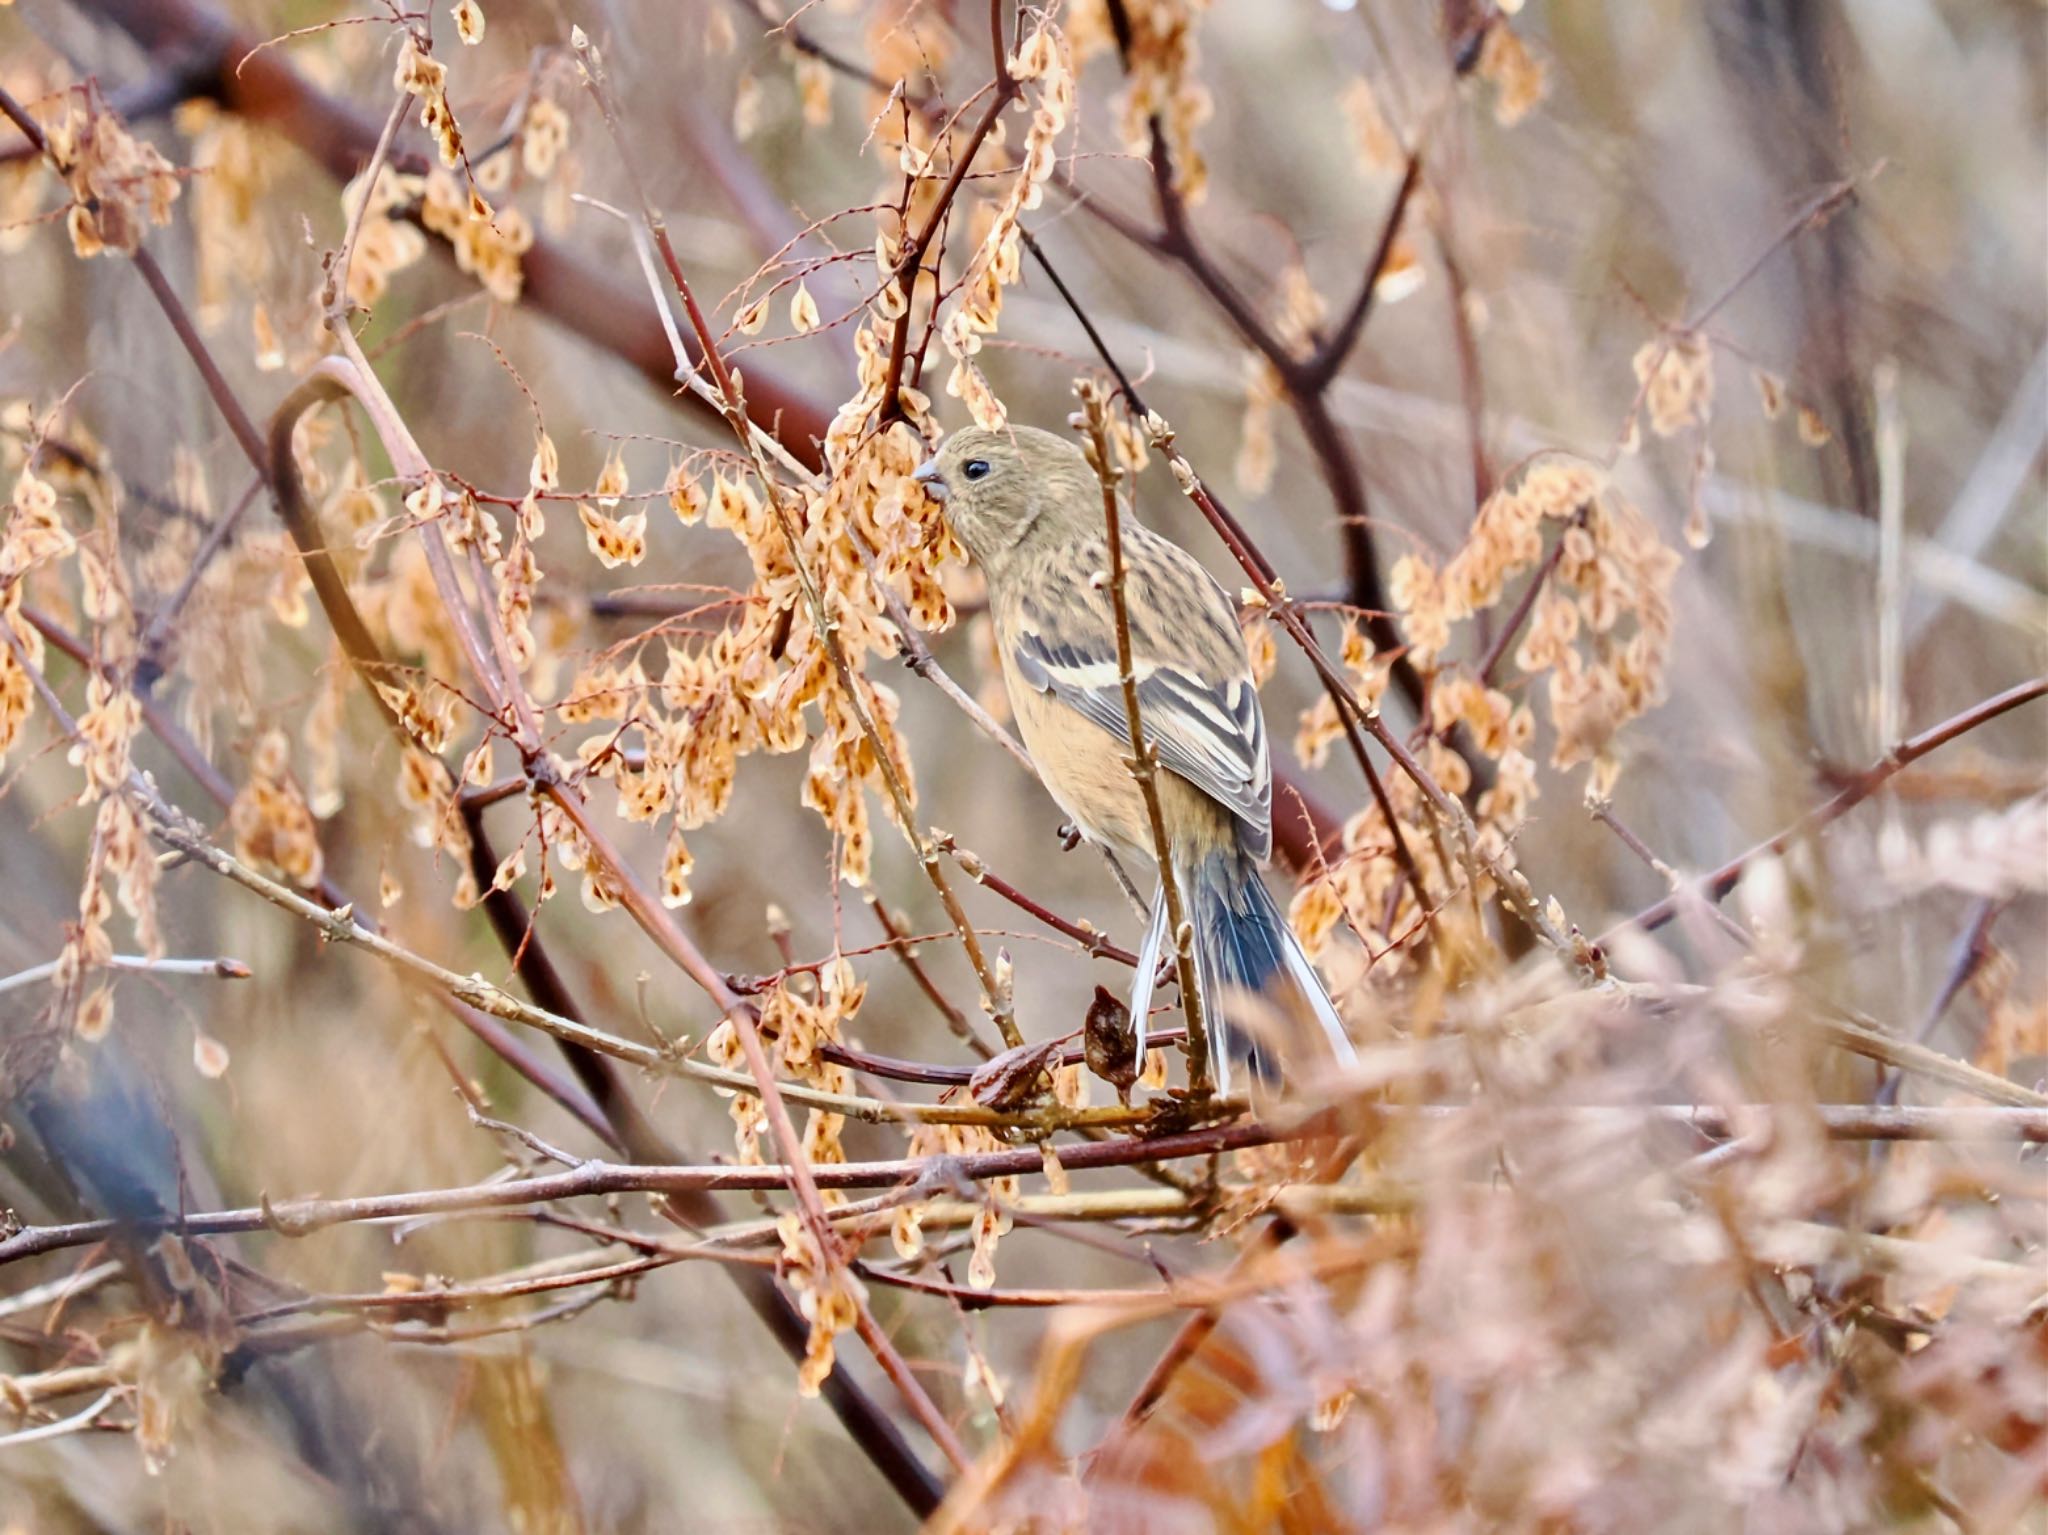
{"x": 1260, "y": 995}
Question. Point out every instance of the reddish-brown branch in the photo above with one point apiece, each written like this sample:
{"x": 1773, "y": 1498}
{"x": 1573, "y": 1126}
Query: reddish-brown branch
{"x": 1314, "y": 374}
{"x": 1196, "y": 1330}
{"x": 710, "y": 357}
{"x": 905, "y": 950}
{"x": 1724, "y": 879}
{"x": 1527, "y": 601}
{"x": 1095, "y": 942}
{"x": 1305, "y": 382}
{"x": 1471, "y": 378}
{"x": 1817, "y": 210}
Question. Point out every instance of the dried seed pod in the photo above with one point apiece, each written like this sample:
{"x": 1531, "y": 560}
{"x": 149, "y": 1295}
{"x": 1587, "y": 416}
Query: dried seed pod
{"x": 1111, "y": 1043}
{"x": 1012, "y": 1079}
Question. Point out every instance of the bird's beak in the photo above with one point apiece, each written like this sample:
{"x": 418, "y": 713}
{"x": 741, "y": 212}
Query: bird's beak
{"x": 927, "y": 475}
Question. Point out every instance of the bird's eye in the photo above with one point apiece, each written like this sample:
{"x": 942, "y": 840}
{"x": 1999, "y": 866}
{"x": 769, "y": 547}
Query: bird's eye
{"x": 975, "y": 469}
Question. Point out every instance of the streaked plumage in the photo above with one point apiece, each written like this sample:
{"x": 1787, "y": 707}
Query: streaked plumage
{"x": 1032, "y": 519}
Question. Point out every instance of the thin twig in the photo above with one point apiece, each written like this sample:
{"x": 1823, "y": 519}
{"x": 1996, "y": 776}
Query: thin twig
{"x": 1972, "y": 948}
{"x": 1143, "y": 761}
{"x": 157, "y": 633}
{"x": 221, "y": 969}
{"x": 1316, "y": 371}
{"x": 1724, "y": 879}
{"x": 900, "y": 945}
{"x": 1096, "y": 942}
{"x": 1003, "y": 90}
{"x": 71, "y": 1425}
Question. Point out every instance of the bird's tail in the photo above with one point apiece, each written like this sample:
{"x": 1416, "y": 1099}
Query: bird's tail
{"x": 1263, "y": 1002}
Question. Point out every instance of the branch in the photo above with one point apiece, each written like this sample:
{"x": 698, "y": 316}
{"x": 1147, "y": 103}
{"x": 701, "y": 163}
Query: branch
{"x": 1314, "y": 374}
{"x": 905, "y": 272}
{"x": 223, "y": 969}
{"x": 1142, "y": 762}
{"x": 1527, "y": 601}
{"x": 298, "y": 1218}
{"x": 1096, "y": 942}
{"x": 1971, "y": 950}
{"x": 1305, "y": 393}
{"x": 1724, "y": 879}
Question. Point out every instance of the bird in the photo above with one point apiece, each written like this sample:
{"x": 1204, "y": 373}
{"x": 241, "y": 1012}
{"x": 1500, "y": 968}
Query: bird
{"x": 1028, "y": 507}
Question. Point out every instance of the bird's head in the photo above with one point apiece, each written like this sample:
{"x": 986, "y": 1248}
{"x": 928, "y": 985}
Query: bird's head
{"x": 1000, "y": 488}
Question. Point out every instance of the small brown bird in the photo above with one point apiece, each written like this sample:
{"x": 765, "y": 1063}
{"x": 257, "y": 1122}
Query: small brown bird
{"x": 1029, "y": 509}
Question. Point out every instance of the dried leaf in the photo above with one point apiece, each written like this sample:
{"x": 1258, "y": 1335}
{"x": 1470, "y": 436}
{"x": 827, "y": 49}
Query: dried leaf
{"x": 1013, "y": 1078}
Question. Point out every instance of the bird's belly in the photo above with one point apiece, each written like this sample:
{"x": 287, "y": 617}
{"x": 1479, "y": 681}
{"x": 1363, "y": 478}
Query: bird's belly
{"x": 1086, "y": 771}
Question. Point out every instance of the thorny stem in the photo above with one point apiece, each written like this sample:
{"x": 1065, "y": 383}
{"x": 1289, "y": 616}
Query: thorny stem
{"x": 1142, "y": 761}
{"x": 1471, "y": 379}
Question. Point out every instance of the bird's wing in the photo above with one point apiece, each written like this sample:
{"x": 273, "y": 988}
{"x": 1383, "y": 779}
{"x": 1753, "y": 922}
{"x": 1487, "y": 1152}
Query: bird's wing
{"x": 1196, "y": 697}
